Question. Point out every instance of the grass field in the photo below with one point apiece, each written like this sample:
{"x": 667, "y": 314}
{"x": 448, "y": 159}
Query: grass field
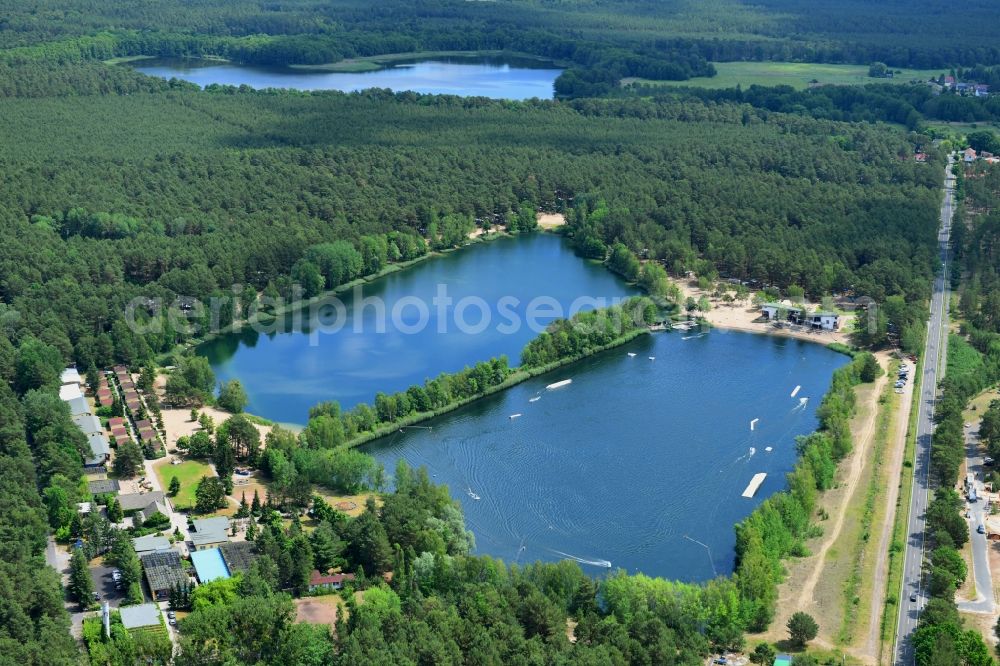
{"x": 959, "y": 130}
{"x": 189, "y": 473}
{"x": 796, "y": 74}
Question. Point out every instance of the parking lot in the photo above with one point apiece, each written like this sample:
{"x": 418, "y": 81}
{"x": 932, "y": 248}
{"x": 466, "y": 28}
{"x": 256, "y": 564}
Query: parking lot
{"x": 104, "y": 585}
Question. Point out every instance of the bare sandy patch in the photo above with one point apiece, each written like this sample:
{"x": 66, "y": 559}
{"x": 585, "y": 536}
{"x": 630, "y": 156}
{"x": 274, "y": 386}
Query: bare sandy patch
{"x": 551, "y": 220}
{"x": 318, "y": 610}
{"x": 177, "y": 423}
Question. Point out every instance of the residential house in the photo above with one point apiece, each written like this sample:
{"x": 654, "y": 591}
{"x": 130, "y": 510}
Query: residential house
{"x": 116, "y": 422}
{"x": 209, "y": 533}
{"x": 70, "y": 376}
{"x": 151, "y": 510}
{"x": 89, "y": 424}
{"x": 78, "y": 406}
{"x": 949, "y": 81}
{"x": 982, "y": 90}
{"x": 318, "y": 581}
{"x": 920, "y": 157}
{"x": 827, "y": 321}
{"x": 68, "y": 392}
{"x": 103, "y": 487}
{"x": 142, "y": 617}
{"x": 239, "y": 555}
{"x": 969, "y": 155}
{"x": 104, "y": 397}
{"x": 136, "y": 501}
{"x": 100, "y": 451}
{"x": 150, "y": 544}
{"x": 774, "y": 312}
{"x": 164, "y": 572}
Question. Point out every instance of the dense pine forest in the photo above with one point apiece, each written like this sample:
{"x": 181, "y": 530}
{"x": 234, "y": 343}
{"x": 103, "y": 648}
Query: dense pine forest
{"x": 119, "y": 188}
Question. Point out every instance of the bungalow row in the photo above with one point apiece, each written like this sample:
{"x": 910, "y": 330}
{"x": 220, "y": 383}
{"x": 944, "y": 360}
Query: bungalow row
{"x": 70, "y": 392}
{"x": 827, "y": 321}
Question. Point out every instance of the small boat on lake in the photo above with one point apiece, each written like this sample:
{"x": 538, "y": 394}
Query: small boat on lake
{"x": 472, "y": 494}
{"x": 556, "y": 385}
{"x": 631, "y": 354}
{"x": 535, "y": 399}
{"x": 514, "y": 416}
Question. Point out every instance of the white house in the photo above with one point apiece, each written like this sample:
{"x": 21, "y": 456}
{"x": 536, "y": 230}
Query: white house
{"x": 78, "y": 406}
{"x": 70, "y": 376}
{"x": 828, "y": 321}
{"x": 69, "y": 392}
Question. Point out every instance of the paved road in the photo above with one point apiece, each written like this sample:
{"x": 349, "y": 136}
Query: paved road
{"x": 929, "y": 365}
{"x": 984, "y": 602}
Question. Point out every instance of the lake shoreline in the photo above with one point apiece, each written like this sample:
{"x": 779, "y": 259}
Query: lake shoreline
{"x": 266, "y": 319}
{"x": 518, "y": 376}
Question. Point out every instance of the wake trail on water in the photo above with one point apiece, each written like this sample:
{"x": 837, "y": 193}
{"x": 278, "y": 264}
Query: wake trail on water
{"x": 582, "y": 560}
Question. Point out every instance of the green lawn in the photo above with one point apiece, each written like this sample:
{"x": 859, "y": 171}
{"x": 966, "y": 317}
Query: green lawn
{"x": 189, "y": 473}
{"x": 959, "y": 130}
{"x": 795, "y": 74}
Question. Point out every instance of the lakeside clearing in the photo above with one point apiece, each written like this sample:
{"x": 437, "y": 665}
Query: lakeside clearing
{"x": 372, "y": 63}
{"x": 799, "y": 75}
{"x": 742, "y": 316}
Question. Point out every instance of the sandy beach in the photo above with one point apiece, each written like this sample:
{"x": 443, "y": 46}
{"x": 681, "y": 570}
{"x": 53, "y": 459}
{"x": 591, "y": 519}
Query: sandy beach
{"x": 551, "y": 220}
{"x": 741, "y": 316}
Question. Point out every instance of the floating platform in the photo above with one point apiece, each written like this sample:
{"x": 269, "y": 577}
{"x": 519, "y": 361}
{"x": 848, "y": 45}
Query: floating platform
{"x": 795, "y": 391}
{"x": 556, "y": 385}
{"x": 754, "y": 484}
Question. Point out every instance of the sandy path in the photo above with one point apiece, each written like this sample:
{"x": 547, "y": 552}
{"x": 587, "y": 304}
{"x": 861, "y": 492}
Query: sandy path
{"x": 894, "y": 472}
{"x": 854, "y": 473}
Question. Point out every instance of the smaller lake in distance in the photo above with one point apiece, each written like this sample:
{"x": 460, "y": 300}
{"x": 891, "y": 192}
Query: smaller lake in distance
{"x": 638, "y": 463}
{"x": 496, "y": 77}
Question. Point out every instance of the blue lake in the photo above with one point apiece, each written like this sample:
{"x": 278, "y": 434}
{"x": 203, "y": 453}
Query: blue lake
{"x": 287, "y": 373}
{"x": 500, "y": 78}
{"x": 637, "y": 462}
